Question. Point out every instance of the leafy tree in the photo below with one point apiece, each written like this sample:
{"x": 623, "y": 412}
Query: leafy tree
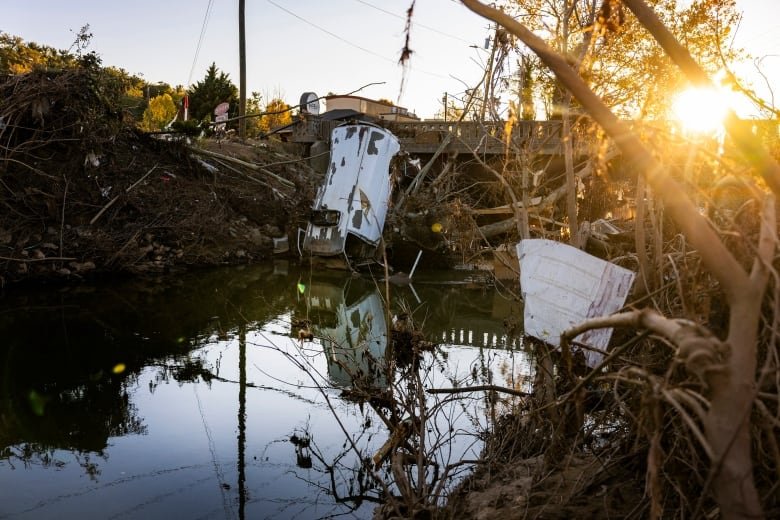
{"x": 159, "y": 113}
{"x": 177, "y": 94}
{"x": 453, "y": 111}
{"x": 18, "y": 56}
{"x": 254, "y": 106}
{"x": 132, "y": 90}
{"x": 212, "y": 90}
{"x": 626, "y": 68}
{"x": 278, "y": 114}
{"x": 526, "y": 88}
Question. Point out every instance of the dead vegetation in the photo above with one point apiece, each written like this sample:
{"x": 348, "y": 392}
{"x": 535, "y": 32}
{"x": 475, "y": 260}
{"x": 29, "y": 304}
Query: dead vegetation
{"x": 681, "y": 418}
{"x": 83, "y": 192}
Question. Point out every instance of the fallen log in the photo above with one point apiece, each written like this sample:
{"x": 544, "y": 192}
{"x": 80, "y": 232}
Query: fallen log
{"x": 506, "y": 208}
{"x": 239, "y": 162}
{"x": 508, "y": 225}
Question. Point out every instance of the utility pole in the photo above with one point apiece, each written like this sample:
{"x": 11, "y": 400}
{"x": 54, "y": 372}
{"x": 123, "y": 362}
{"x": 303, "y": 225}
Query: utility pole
{"x": 488, "y": 85}
{"x": 242, "y": 70}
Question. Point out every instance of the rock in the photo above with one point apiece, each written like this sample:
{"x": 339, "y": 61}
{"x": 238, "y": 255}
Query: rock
{"x": 81, "y": 267}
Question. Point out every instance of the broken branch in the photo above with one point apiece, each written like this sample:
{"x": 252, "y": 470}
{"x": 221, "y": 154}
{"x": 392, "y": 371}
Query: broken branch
{"x": 111, "y": 202}
{"x": 245, "y": 164}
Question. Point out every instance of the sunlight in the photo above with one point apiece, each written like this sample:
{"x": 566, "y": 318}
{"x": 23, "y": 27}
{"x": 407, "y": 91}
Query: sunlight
{"x": 702, "y": 110}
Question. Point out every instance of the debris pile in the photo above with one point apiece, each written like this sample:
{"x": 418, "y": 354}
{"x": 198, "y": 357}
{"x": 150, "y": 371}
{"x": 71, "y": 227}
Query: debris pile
{"x": 83, "y": 191}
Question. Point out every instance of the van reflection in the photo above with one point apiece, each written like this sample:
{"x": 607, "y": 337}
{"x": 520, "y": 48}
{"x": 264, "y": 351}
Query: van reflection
{"x": 349, "y": 319}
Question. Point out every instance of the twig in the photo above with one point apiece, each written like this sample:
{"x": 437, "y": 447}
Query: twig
{"x": 686, "y": 418}
{"x": 302, "y": 159}
{"x": 62, "y": 218}
{"x": 236, "y": 170}
{"x": 136, "y": 183}
{"x": 111, "y": 202}
{"x": 478, "y": 388}
{"x": 245, "y": 164}
{"x": 30, "y": 260}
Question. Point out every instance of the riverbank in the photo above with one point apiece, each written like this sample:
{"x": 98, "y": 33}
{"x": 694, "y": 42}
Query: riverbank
{"x": 85, "y": 193}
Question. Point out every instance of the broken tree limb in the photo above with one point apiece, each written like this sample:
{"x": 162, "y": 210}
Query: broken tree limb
{"x": 30, "y": 260}
{"x": 127, "y": 190}
{"x": 640, "y": 319}
{"x": 415, "y": 184}
{"x": 398, "y": 436}
{"x": 743, "y": 138}
{"x": 478, "y": 388}
{"x": 508, "y": 225}
{"x": 506, "y": 208}
{"x": 253, "y": 167}
{"x": 727, "y": 424}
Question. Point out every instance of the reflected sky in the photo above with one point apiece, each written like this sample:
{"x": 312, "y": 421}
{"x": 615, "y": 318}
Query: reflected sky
{"x": 220, "y": 410}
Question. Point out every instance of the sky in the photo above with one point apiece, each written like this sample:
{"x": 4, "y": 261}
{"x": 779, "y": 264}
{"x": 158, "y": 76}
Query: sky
{"x": 321, "y": 46}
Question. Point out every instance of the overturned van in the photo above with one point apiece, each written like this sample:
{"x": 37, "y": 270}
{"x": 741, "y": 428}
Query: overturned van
{"x": 351, "y": 205}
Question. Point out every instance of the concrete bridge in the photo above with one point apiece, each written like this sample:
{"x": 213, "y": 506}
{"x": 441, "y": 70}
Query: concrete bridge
{"x": 485, "y": 138}
{"x": 539, "y": 138}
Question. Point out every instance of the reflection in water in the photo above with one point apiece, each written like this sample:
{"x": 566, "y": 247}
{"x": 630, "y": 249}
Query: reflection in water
{"x": 221, "y": 409}
{"x": 241, "y": 420}
{"x": 350, "y": 321}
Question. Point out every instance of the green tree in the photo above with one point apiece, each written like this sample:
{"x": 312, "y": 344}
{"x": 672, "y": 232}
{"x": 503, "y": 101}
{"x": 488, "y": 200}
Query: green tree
{"x": 212, "y": 90}
{"x": 133, "y": 98}
{"x": 160, "y": 112}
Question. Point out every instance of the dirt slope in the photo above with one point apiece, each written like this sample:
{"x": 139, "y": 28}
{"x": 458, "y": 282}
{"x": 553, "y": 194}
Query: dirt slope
{"x": 83, "y": 192}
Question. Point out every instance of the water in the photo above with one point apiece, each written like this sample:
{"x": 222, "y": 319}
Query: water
{"x": 194, "y": 397}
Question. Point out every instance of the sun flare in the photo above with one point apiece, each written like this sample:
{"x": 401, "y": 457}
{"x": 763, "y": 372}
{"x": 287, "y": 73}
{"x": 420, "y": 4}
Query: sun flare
{"x": 701, "y": 110}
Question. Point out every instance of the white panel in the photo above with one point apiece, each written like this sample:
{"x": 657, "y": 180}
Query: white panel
{"x": 563, "y": 286}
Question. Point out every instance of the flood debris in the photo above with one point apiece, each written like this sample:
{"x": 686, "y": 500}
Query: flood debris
{"x": 563, "y": 286}
{"x": 84, "y": 192}
{"x": 349, "y": 211}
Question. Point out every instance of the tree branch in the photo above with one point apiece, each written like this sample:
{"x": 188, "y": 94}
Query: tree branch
{"x": 744, "y": 139}
{"x": 715, "y": 256}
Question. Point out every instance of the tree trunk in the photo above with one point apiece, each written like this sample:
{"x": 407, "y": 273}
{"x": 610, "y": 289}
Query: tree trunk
{"x": 727, "y": 423}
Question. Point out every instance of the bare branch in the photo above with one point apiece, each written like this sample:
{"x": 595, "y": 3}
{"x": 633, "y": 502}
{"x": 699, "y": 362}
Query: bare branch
{"x": 744, "y": 139}
{"x": 715, "y": 256}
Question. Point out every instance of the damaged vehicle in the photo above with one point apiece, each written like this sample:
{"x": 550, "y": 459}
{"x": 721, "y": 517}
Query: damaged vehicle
{"x": 351, "y": 205}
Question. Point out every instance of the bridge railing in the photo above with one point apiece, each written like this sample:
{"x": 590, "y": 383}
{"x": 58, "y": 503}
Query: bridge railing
{"x": 482, "y": 137}
{"x": 542, "y": 137}
{"x": 533, "y": 136}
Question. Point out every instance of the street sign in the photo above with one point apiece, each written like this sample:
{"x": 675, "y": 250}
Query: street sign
{"x": 221, "y": 110}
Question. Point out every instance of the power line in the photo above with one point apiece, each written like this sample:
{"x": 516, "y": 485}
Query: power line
{"x": 206, "y": 17}
{"x": 351, "y": 44}
{"x": 328, "y": 32}
{"x": 417, "y": 24}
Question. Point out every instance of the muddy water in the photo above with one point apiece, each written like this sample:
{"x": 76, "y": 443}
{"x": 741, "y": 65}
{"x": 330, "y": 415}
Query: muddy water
{"x": 195, "y": 397}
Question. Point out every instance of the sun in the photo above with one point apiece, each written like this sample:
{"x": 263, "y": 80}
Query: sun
{"x": 702, "y": 110}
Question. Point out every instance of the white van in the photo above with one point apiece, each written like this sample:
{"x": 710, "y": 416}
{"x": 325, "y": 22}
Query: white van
{"x": 351, "y": 205}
